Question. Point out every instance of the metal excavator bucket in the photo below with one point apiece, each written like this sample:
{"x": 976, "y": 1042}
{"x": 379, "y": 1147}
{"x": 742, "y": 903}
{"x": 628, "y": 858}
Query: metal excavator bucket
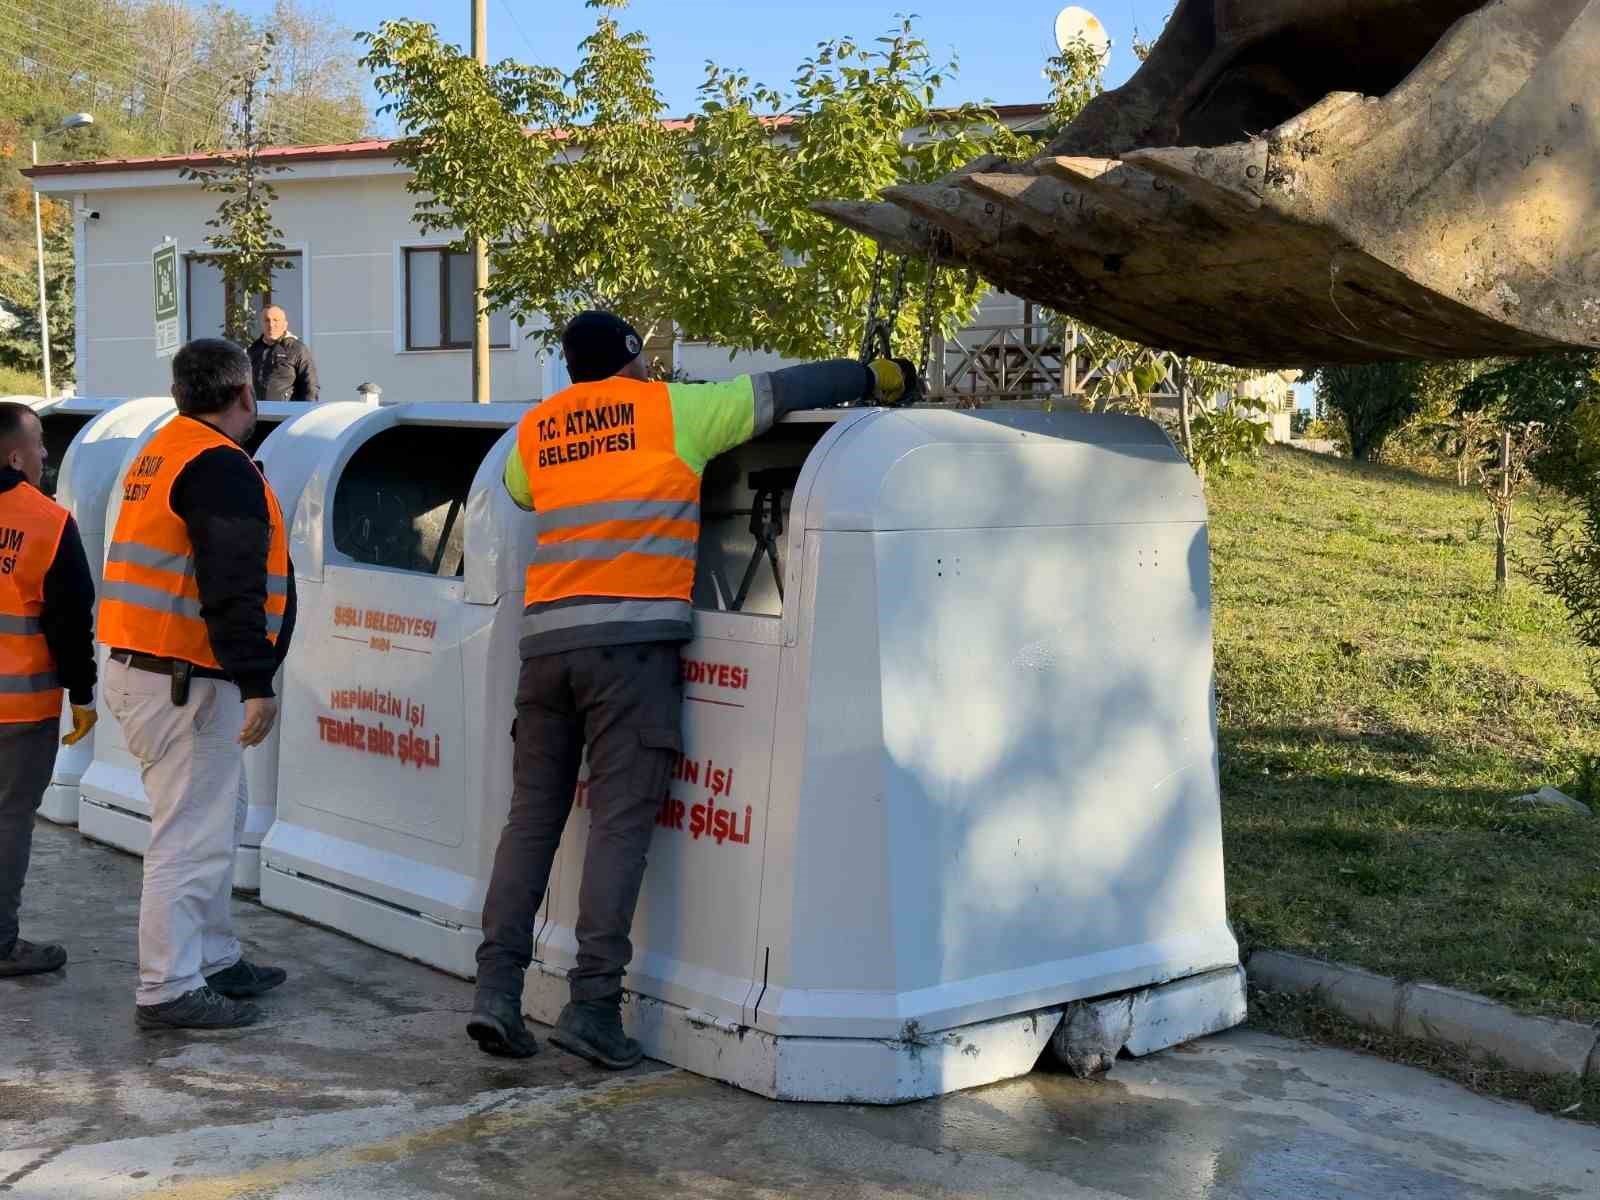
{"x": 1288, "y": 182}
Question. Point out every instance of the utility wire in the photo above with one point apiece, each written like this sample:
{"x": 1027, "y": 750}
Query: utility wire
{"x": 195, "y": 106}
{"x": 522, "y": 33}
{"x": 56, "y": 20}
{"x": 190, "y": 101}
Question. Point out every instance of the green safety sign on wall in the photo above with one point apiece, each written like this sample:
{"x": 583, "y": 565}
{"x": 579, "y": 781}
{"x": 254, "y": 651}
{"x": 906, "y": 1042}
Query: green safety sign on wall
{"x": 165, "y": 260}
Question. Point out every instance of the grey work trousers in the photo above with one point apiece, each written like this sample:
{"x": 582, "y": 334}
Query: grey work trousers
{"x": 27, "y": 760}
{"x": 625, "y": 704}
{"x": 193, "y": 771}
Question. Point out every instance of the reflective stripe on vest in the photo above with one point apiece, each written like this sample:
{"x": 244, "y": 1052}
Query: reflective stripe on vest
{"x": 150, "y": 600}
{"x": 31, "y": 525}
{"x": 618, "y": 510}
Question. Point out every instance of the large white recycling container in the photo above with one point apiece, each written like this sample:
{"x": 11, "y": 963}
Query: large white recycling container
{"x": 89, "y": 470}
{"x": 394, "y": 769}
{"x": 963, "y": 775}
{"x": 63, "y": 418}
{"x": 114, "y": 807}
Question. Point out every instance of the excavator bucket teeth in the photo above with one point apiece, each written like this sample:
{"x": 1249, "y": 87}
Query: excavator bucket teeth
{"x": 1292, "y": 182}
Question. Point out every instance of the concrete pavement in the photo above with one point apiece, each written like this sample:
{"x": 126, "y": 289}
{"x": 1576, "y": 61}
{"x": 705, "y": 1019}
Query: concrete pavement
{"x": 361, "y": 1083}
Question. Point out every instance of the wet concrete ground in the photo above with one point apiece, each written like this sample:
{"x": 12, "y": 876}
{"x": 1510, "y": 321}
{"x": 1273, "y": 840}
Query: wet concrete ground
{"x": 361, "y": 1083}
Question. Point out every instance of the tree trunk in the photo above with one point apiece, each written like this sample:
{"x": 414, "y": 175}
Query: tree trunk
{"x": 1502, "y": 529}
{"x": 1502, "y": 516}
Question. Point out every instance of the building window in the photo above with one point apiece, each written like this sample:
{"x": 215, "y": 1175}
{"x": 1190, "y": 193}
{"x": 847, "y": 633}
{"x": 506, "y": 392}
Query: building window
{"x": 205, "y": 293}
{"x": 439, "y": 303}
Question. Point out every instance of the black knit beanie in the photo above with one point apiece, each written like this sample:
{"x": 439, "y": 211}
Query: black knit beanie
{"x": 598, "y": 345}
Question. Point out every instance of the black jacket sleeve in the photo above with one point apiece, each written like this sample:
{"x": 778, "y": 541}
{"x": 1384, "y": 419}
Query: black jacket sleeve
{"x": 291, "y": 613}
{"x": 305, "y": 373}
{"x": 223, "y": 502}
{"x": 68, "y": 617}
{"x": 820, "y": 385}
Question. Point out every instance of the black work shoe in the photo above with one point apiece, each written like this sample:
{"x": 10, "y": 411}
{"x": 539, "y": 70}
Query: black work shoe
{"x": 593, "y": 1030}
{"x": 30, "y": 958}
{"x": 496, "y": 1025}
{"x": 244, "y": 980}
{"x": 199, "y": 1009}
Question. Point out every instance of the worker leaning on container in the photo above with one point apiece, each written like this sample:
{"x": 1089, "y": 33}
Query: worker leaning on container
{"x": 46, "y": 645}
{"x": 197, "y": 607}
{"x": 612, "y": 467}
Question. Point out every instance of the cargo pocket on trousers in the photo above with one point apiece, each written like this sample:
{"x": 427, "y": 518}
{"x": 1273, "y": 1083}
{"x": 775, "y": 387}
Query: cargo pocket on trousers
{"x": 659, "y": 750}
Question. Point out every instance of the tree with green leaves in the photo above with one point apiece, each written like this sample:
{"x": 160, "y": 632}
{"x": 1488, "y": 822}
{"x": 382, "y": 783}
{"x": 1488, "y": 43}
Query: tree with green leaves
{"x": 1562, "y": 390}
{"x": 247, "y": 243}
{"x": 1503, "y": 477}
{"x": 590, "y": 197}
{"x": 1372, "y": 401}
{"x": 20, "y": 347}
{"x": 1549, "y": 390}
{"x": 1215, "y": 436}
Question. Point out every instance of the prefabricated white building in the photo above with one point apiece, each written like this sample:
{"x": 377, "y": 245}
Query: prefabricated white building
{"x": 372, "y": 296}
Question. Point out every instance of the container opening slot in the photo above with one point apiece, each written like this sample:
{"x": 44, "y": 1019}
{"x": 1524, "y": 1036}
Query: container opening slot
{"x": 263, "y": 430}
{"x": 745, "y": 501}
{"x": 401, "y": 501}
{"x": 59, "y": 430}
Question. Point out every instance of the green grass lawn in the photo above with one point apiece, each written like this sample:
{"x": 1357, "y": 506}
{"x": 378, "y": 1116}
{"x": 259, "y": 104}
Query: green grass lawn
{"x": 20, "y": 383}
{"x": 1378, "y": 705}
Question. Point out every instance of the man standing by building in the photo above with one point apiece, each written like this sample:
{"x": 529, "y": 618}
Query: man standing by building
{"x": 197, "y": 608}
{"x": 281, "y": 366}
{"x": 607, "y": 607}
{"x": 46, "y": 645}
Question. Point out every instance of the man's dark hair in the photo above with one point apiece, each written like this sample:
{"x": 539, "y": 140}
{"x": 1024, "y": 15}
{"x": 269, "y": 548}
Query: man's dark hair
{"x": 13, "y": 420}
{"x": 207, "y": 374}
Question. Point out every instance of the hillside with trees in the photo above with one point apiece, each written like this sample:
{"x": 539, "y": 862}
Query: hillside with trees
{"x": 159, "y": 76}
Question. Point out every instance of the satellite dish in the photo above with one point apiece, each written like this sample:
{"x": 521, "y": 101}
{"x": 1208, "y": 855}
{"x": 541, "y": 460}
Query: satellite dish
{"x": 1075, "y": 24}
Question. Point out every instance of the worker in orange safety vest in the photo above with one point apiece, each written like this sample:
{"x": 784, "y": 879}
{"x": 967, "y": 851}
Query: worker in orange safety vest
{"x": 196, "y": 613}
{"x": 610, "y": 467}
{"x": 46, "y": 649}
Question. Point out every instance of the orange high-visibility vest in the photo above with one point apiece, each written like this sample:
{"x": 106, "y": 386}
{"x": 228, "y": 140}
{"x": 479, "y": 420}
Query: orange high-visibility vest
{"x": 618, "y": 509}
{"x": 150, "y": 601}
{"x": 31, "y": 525}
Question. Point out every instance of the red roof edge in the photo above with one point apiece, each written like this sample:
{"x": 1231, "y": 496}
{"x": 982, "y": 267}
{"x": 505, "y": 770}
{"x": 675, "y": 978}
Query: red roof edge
{"x": 348, "y": 151}
{"x": 278, "y": 154}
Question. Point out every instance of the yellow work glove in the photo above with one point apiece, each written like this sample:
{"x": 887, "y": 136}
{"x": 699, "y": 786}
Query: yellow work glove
{"x": 83, "y": 719}
{"x": 891, "y": 381}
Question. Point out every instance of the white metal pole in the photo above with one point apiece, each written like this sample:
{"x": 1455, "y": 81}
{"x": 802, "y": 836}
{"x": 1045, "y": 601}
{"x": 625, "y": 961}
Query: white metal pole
{"x": 44, "y": 312}
{"x": 481, "y": 370}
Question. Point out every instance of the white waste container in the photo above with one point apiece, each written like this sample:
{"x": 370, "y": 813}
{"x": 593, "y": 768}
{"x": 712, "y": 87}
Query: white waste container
{"x": 114, "y": 808}
{"x": 962, "y": 774}
{"x": 394, "y": 769}
{"x": 88, "y": 471}
{"x": 63, "y": 419}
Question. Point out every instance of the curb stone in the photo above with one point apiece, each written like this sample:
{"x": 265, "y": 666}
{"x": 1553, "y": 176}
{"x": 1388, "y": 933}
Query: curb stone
{"x": 1541, "y": 1045}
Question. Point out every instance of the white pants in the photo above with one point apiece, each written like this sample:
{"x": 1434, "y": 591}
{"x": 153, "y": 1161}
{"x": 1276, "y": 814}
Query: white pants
{"x": 193, "y": 771}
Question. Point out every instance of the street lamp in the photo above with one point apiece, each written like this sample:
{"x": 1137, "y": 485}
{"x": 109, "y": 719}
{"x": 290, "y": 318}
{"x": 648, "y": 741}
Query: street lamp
{"x": 75, "y": 121}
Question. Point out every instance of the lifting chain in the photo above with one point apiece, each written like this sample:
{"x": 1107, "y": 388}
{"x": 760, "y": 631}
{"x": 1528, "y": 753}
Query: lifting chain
{"x": 870, "y": 330}
{"x": 877, "y": 336}
{"x": 926, "y": 333}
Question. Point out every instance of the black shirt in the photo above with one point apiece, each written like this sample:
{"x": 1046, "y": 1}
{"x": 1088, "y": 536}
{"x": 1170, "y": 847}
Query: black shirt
{"x": 283, "y": 370}
{"x": 68, "y": 616}
{"x": 222, "y": 500}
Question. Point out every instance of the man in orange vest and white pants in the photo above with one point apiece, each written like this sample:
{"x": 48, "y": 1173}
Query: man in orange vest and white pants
{"x": 611, "y": 466}
{"x": 197, "y": 608}
{"x": 46, "y": 645}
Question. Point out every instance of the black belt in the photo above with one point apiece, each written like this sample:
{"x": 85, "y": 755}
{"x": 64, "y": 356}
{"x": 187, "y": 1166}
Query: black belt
{"x": 161, "y": 666}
